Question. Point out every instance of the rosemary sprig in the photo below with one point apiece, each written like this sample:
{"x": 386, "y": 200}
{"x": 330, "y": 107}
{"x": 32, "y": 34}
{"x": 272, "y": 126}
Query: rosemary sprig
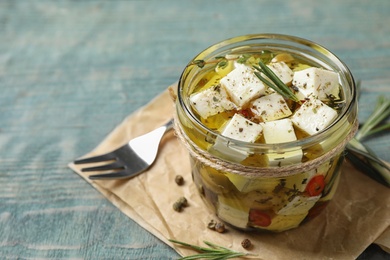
{"x": 213, "y": 252}
{"x": 220, "y": 61}
{"x": 275, "y": 83}
{"x": 381, "y": 112}
{"x": 374, "y": 167}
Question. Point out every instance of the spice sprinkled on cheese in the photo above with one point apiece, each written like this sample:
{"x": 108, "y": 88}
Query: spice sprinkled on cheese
{"x": 299, "y": 205}
{"x": 241, "y": 129}
{"x": 280, "y": 131}
{"x": 211, "y": 101}
{"x": 270, "y": 107}
{"x": 313, "y": 116}
{"x": 242, "y": 85}
{"x": 316, "y": 82}
{"x": 281, "y": 70}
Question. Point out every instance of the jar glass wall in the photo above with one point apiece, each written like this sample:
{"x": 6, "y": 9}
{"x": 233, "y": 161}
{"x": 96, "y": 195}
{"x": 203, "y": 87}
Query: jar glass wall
{"x": 250, "y": 192}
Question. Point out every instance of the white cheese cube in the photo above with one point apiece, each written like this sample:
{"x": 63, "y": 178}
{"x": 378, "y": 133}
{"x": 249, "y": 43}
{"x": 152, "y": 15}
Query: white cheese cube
{"x": 246, "y": 184}
{"x": 283, "y": 222}
{"x": 232, "y": 211}
{"x": 285, "y": 158}
{"x": 211, "y": 101}
{"x": 241, "y": 129}
{"x": 270, "y": 107}
{"x": 317, "y": 82}
{"x": 313, "y": 116}
{"x": 284, "y": 73}
{"x": 299, "y": 205}
{"x": 243, "y": 85}
{"x": 280, "y": 131}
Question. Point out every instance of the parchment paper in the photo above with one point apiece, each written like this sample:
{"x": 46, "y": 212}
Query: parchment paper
{"x": 357, "y": 216}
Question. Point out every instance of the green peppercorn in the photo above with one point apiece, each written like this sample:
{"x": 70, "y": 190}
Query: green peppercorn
{"x": 183, "y": 201}
{"x": 177, "y": 206}
{"x": 180, "y": 204}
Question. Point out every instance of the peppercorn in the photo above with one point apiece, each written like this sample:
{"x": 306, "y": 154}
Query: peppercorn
{"x": 246, "y": 243}
{"x": 179, "y": 180}
{"x": 220, "y": 227}
{"x": 183, "y": 201}
{"x": 212, "y": 224}
{"x": 177, "y": 206}
{"x": 180, "y": 204}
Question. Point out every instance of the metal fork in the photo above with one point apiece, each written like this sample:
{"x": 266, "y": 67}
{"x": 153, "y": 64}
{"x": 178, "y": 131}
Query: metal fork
{"x": 129, "y": 160}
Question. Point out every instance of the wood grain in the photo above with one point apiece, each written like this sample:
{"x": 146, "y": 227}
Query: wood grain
{"x": 70, "y": 71}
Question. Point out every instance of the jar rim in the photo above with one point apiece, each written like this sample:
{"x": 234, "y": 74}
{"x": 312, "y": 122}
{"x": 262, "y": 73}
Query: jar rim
{"x": 287, "y": 39}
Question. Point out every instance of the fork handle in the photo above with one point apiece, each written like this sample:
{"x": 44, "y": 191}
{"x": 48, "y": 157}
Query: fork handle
{"x": 169, "y": 125}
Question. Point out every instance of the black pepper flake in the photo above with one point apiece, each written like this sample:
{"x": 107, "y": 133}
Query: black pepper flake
{"x": 179, "y": 180}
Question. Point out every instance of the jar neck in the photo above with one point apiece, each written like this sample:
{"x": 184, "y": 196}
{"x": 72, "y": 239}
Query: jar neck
{"x": 338, "y": 132}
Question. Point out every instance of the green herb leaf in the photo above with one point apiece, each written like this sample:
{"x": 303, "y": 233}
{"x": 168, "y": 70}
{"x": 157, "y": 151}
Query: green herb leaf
{"x": 274, "y": 82}
{"x": 199, "y": 63}
{"x": 213, "y": 252}
{"x": 222, "y": 64}
{"x": 381, "y": 112}
{"x": 243, "y": 58}
{"x": 374, "y": 167}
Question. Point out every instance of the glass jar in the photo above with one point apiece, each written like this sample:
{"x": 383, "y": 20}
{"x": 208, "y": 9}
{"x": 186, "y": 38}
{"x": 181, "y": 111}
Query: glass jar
{"x": 250, "y": 194}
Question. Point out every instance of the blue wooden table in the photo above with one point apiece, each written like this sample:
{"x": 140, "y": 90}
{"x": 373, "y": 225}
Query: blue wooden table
{"x": 70, "y": 71}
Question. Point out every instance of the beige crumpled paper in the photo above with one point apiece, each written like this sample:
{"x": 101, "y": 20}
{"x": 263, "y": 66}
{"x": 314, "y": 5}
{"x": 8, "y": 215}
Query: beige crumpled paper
{"x": 357, "y": 216}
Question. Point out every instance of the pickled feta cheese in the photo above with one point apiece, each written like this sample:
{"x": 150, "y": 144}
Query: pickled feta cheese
{"x": 284, "y": 222}
{"x": 313, "y": 116}
{"x": 211, "y": 101}
{"x": 300, "y": 181}
{"x": 280, "y": 131}
{"x": 284, "y": 73}
{"x": 232, "y": 211}
{"x": 243, "y": 85}
{"x": 270, "y": 107}
{"x": 245, "y": 184}
{"x": 241, "y": 129}
{"x": 299, "y": 205}
{"x": 316, "y": 82}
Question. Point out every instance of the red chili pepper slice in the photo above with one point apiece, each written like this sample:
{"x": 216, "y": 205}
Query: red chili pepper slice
{"x": 316, "y": 185}
{"x": 245, "y": 113}
{"x": 259, "y": 218}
